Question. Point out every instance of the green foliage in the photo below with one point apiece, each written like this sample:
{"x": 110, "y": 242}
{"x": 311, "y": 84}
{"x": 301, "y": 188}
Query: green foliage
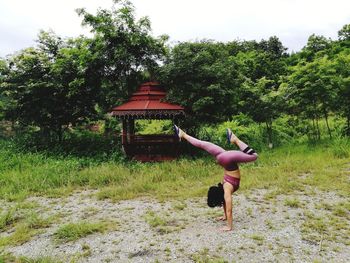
{"x": 4, "y": 70}
{"x": 344, "y": 33}
{"x": 341, "y": 148}
{"x": 316, "y": 89}
{"x": 285, "y": 130}
{"x": 81, "y": 143}
{"x": 63, "y": 83}
{"x": 51, "y": 86}
{"x": 216, "y": 80}
{"x": 268, "y": 97}
{"x": 66, "y": 82}
{"x": 154, "y": 127}
{"x": 123, "y": 49}
{"x": 342, "y": 66}
{"x": 204, "y": 78}
{"x": 25, "y": 168}
{"x": 315, "y": 44}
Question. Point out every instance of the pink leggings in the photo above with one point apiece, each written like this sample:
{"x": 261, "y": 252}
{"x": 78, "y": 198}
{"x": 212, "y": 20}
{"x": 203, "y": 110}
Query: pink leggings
{"x": 227, "y": 159}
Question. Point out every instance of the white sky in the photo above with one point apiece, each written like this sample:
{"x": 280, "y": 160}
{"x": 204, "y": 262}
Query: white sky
{"x": 293, "y": 21}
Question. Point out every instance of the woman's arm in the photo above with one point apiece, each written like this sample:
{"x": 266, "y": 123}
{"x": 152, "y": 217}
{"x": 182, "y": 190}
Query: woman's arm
{"x": 228, "y": 208}
{"x": 224, "y": 217}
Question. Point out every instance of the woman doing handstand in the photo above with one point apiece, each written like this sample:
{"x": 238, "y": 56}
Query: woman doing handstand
{"x": 222, "y": 194}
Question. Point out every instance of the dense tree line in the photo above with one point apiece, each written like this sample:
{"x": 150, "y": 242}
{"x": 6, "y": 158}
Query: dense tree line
{"x": 66, "y": 82}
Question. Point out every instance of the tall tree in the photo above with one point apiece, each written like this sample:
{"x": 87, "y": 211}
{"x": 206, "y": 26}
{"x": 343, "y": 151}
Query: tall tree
{"x": 262, "y": 103}
{"x": 315, "y": 45}
{"x": 67, "y": 81}
{"x": 123, "y": 48}
{"x": 263, "y": 67}
{"x": 29, "y": 87}
{"x": 49, "y": 86}
{"x": 4, "y": 71}
{"x": 344, "y": 33}
{"x": 203, "y": 77}
{"x": 315, "y": 90}
{"x": 342, "y": 67}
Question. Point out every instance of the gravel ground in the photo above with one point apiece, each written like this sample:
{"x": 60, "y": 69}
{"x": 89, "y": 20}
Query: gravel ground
{"x": 265, "y": 230}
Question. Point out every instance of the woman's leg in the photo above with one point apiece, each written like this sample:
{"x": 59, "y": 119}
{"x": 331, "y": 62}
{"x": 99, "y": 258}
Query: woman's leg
{"x": 241, "y": 145}
{"x": 246, "y": 154}
{"x": 229, "y": 157}
{"x": 211, "y": 148}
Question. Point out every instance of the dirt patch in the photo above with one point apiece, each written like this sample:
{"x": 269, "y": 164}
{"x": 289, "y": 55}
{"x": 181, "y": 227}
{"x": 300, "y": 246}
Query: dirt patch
{"x": 296, "y": 228}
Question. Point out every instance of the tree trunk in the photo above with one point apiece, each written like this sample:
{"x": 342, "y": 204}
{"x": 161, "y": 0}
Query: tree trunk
{"x": 318, "y": 130}
{"x": 269, "y": 132}
{"x": 45, "y": 133}
{"x": 60, "y": 133}
{"x": 318, "y": 134}
{"x": 313, "y": 129}
{"x": 107, "y": 129}
{"x": 329, "y": 130}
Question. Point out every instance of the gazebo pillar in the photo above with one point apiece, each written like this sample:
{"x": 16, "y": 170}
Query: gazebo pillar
{"x": 128, "y": 130}
{"x": 131, "y": 130}
{"x": 124, "y": 132}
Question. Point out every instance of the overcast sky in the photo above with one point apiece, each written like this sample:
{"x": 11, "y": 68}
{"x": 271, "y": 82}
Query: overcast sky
{"x": 293, "y": 21}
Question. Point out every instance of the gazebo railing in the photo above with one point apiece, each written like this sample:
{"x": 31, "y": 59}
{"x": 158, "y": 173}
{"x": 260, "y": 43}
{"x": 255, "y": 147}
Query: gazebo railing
{"x": 153, "y": 138}
{"x": 153, "y": 144}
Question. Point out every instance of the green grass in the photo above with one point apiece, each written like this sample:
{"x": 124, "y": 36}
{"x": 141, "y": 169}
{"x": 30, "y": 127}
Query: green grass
{"x": 283, "y": 170}
{"x": 204, "y": 256}
{"x": 179, "y": 206}
{"x": 21, "y": 235}
{"x": 314, "y": 228}
{"x": 8, "y": 258}
{"x": 330, "y": 227}
{"x": 35, "y": 221}
{"x": 22, "y": 224}
{"x": 25, "y": 226}
{"x": 259, "y": 239}
{"x": 162, "y": 225}
{"x": 154, "y": 220}
{"x": 7, "y": 218}
{"x": 75, "y": 231}
{"x": 292, "y": 202}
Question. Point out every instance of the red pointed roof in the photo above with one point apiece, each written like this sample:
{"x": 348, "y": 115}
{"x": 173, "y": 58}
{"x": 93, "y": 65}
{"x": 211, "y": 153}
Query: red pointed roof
{"x": 147, "y": 102}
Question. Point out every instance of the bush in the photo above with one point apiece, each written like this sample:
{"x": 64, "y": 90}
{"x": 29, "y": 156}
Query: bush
{"x": 254, "y": 134}
{"x": 83, "y": 144}
{"x": 340, "y": 147}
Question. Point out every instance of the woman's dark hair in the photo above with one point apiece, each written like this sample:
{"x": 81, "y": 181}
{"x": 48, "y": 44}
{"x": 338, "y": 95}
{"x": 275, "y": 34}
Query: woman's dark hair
{"x": 216, "y": 195}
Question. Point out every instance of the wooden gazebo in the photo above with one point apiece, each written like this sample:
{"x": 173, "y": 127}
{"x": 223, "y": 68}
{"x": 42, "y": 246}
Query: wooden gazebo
{"x": 148, "y": 103}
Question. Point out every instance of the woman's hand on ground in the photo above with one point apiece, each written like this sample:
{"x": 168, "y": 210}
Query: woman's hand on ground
{"x": 226, "y": 228}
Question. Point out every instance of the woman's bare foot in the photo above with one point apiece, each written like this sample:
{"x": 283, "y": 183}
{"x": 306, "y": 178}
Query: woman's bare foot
{"x": 180, "y": 133}
{"x": 231, "y": 137}
{"x": 221, "y": 218}
{"x": 226, "y": 228}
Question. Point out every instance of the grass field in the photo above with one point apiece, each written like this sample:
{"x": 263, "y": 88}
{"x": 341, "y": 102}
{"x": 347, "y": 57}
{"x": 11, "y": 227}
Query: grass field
{"x": 284, "y": 170}
{"x": 290, "y": 186}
